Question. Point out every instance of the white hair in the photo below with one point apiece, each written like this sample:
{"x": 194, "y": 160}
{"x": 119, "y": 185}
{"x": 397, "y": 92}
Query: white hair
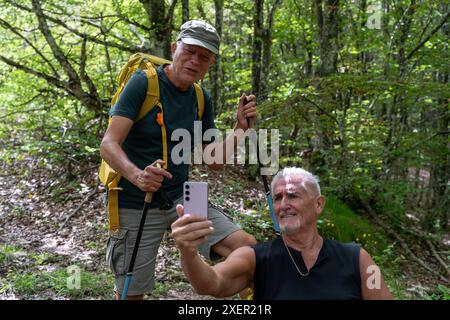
{"x": 290, "y": 172}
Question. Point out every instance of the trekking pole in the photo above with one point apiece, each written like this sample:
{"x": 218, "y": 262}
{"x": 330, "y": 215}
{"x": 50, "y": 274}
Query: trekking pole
{"x": 147, "y": 201}
{"x": 265, "y": 182}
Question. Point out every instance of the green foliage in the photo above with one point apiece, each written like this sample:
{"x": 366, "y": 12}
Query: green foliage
{"x": 7, "y": 255}
{"x": 160, "y": 289}
{"x": 33, "y": 274}
{"x": 54, "y": 284}
{"x": 339, "y": 222}
{"x": 389, "y": 261}
{"x": 443, "y": 293}
{"x": 256, "y": 222}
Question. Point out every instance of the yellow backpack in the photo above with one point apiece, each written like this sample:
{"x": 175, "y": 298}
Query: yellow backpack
{"x": 148, "y": 63}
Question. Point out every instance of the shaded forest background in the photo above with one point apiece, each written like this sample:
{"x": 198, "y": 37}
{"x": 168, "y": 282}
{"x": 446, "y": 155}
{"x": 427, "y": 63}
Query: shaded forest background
{"x": 358, "y": 90}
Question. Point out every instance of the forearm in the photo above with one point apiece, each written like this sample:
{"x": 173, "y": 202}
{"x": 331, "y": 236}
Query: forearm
{"x": 203, "y": 278}
{"x": 228, "y": 147}
{"x": 114, "y": 155}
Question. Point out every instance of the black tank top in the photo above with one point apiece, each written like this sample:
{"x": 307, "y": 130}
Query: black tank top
{"x": 334, "y": 276}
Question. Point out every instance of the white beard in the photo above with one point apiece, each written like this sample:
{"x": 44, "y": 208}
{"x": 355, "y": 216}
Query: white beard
{"x": 290, "y": 228}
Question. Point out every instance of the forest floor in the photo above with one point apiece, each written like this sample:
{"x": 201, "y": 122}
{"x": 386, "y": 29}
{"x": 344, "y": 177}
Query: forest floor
{"x": 52, "y": 227}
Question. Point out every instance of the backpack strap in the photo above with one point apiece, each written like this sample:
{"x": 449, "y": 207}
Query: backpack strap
{"x": 152, "y": 100}
{"x": 200, "y": 100}
{"x": 113, "y": 206}
{"x": 160, "y": 121}
{"x": 152, "y": 97}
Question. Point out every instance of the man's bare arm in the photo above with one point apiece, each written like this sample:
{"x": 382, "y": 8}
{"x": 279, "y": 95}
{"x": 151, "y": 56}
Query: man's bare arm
{"x": 373, "y": 286}
{"x": 244, "y": 114}
{"x": 149, "y": 179}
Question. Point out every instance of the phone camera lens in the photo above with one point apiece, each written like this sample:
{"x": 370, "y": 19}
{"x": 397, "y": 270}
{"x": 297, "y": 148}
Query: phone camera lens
{"x": 187, "y": 193}
{"x": 187, "y": 198}
{"x": 187, "y": 186}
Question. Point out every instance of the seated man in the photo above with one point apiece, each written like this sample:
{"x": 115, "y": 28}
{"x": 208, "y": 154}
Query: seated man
{"x": 300, "y": 264}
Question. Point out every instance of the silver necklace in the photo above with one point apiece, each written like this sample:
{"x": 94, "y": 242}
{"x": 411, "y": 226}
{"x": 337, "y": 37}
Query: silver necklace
{"x": 293, "y": 261}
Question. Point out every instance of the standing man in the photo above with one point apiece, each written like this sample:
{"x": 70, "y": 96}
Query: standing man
{"x": 300, "y": 264}
{"x": 134, "y": 148}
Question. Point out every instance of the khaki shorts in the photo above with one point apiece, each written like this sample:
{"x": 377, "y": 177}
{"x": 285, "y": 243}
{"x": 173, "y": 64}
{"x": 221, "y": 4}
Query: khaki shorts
{"x": 119, "y": 249}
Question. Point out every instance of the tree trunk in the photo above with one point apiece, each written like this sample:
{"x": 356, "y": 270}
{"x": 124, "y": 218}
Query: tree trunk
{"x": 360, "y": 42}
{"x": 397, "y": 115}
{"x": 437, "y": 214}
{"x": 185, "y": 8}
{"x": 327, "y": 23}
{"x": 161, "y": 26}
{"x": 216, "y": 68}
{"x": 327, "y": 20}
{"x": 257, "y": 47}
{"x": 267, "y": 53}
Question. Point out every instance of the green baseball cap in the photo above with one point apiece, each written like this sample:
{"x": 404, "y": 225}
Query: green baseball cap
{"x": 200, "y": 33}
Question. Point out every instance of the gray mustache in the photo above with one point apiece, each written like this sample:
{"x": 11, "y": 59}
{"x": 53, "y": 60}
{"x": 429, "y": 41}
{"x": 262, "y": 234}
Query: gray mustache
{"x": 286, "y": 212}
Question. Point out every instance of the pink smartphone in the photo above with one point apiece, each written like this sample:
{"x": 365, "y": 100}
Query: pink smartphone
{"x": 195, "y": 198}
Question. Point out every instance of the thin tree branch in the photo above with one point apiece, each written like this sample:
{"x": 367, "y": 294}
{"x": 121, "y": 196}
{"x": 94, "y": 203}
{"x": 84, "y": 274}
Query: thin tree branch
{"x": 87, "y": 19}
{"x": 108, "y": 62}
{"x": 438, "y": 257}
{"x": 16, "y": 107}
{"x": 402, "y": 243}
{"x": 422, "y": 43}
{"x": 94, "y": 191}
{"x": 92, "y": 102}
{"x": 84, "y": 76}
{"x": 23, "y": 111}
{"x": 320, "y": 108}
{"x": 50, "y": 79}
{"x": 83, "y": 58}
{"x": 169, "y": 16}
{"x": 414, "y": 146}
{"x": 74, "y": 79}
{"x": 272, "y": 14}
{"x": 139, "y": 36}
{"x": 91, "y": 38}
{"x": 397, "y": 25}
{"x": 6, "y": 25}
{"x": 201, "y": 11}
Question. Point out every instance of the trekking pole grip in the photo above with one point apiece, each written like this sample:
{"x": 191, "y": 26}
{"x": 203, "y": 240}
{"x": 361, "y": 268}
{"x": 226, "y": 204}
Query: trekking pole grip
{"x": 251, "y": 123}
{"x": 149, "y": 195}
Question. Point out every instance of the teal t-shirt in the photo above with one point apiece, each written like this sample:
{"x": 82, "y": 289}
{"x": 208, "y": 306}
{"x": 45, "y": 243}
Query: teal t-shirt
{"x": 143, "y": 144}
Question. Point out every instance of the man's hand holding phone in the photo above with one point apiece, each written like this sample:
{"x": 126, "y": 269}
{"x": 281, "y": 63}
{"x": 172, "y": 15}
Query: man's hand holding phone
{"x": 195, "y": 198}
{"x": 192, "y": 227}
{"x": 190, "y": 231}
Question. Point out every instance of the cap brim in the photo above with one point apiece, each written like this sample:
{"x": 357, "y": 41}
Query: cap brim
{"x": 196, "y": 42}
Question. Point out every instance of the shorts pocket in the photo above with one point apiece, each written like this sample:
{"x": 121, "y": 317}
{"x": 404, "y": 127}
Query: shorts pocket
{"x": 116, "y": 253}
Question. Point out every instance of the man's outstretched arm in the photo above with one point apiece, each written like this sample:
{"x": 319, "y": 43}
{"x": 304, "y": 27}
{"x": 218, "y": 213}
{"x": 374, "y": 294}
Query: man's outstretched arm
{"x": 222, "y": 280}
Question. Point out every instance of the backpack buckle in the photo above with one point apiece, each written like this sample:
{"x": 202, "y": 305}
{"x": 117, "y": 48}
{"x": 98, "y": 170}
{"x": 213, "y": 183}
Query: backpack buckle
{"x": 114, "y": 233}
